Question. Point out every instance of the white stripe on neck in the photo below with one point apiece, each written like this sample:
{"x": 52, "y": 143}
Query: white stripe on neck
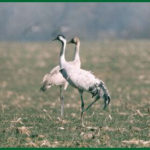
{"x": 62, "y": 59}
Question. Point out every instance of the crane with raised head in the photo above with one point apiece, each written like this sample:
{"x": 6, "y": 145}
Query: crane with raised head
{"x": 82, "y": 80}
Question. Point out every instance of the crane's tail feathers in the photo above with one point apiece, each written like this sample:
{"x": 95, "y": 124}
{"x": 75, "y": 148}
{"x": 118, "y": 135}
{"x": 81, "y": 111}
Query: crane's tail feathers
{"x": 96, "y": 89}
{"x": 106, "y": 95}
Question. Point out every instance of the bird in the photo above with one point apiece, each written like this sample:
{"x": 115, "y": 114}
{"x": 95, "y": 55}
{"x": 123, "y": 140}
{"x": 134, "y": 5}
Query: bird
{"x": 82, "y": 80}
{"x": 54, "y": 77}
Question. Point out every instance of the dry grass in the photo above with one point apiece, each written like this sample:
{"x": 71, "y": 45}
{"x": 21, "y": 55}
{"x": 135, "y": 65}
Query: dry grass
{"x": 29, "y": 118}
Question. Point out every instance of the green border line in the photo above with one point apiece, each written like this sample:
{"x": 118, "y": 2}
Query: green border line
{"x": 90, "y": 1}
{"x": 75, "y": 148}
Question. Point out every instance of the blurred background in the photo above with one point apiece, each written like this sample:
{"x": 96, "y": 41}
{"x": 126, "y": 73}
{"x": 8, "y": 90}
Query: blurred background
{"x": 90, "y": 21}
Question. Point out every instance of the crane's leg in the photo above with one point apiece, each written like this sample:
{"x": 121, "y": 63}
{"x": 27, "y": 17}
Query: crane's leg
{"x": 62, "y": 101}
{"x": 96, "y": 99}
{"x": 82, "y": 107}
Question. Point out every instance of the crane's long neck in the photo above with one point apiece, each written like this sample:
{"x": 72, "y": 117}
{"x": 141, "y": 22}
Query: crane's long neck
{"x": 76, "y": 54}
{"x": 62, "y": 59}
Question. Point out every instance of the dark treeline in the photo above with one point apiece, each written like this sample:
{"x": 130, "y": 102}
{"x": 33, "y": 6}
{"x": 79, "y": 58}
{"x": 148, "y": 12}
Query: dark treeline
{"x": 42, "y": 21}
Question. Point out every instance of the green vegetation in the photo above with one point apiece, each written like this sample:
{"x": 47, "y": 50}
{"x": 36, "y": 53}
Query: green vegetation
{"x": 30, "y": 118}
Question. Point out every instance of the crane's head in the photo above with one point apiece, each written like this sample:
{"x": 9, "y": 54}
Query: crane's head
{"x": 74, "y": 40}
{"x": 60, "y": 38}
{"x": 46, "y": 82}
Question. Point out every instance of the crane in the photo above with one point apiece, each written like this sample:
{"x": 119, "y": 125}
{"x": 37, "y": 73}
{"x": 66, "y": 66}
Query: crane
{"x": 82, "y": 80}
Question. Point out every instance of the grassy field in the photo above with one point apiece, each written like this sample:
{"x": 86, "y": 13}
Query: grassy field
{"x": 30, "y": 118}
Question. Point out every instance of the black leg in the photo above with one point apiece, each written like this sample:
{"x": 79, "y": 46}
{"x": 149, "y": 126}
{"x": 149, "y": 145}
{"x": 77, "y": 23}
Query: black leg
{"x": 82, "y": 107}
{"x": 96, "y": 99}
